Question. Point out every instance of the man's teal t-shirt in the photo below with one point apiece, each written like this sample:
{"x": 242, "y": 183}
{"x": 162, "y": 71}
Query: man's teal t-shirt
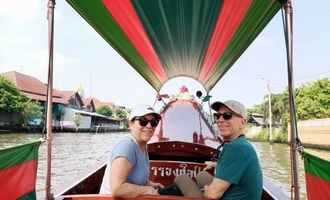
{"x": 238, "y": 164}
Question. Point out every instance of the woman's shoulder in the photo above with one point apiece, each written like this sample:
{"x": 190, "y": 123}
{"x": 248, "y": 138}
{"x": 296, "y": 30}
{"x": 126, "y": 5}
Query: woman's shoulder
{"x": 126, "y": 143}
{"x": 124, "y": 148}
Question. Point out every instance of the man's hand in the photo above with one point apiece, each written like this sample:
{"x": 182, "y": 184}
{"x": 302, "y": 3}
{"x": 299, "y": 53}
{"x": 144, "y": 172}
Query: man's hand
{"x": 209, "y": 165}
{"x": 155, "y": 185}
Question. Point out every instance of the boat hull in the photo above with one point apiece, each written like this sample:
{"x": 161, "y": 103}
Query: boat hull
{"x": 167, "y": 160}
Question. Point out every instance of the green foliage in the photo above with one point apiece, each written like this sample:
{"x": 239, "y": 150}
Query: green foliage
{"x": 77, "y": 119}
{"x": 256, "y": 109}
{"x": 32, "y": 110}
{"x": 313, "y": 100}
{"x": 121, "y": 113}
{"x": 262, "y": 135}
{"x": 105, "y": 110}
{"x": 278, "y": 136}
{"x": 11, "y": 99}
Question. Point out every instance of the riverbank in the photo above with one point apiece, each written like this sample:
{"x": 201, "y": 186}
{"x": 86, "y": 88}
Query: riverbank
{"x": 282, "y": 138}
{"x": 97, "y": 129}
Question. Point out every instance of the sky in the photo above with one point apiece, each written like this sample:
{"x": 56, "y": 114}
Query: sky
{"x": 84, "y": 60}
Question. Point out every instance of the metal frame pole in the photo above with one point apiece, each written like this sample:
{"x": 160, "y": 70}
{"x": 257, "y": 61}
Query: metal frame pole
{"x": 270, "y": 118}
{"x": 293, "y": 119}
{"x": 50, "y": 17}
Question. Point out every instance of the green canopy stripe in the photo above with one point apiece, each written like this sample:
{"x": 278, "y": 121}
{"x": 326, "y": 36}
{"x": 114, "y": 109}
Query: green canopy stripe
{"x": 163, "y": 39}
{"x": 258, "y": 16}
{"x": 95, "y": 13}
{"x": 124, "y": 14}
{"x": 29, "y": 196}
{"x": 317, "y": 166}
{"x": 180, "y": 31}
{"x": 226, "y": 27}
{"x": 18, "y": 170}
{"x": 19, "y": 154}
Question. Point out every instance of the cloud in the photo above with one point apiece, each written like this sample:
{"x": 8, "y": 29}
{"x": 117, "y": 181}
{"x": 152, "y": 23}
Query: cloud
{"x": 19, "y": 10}
{"x": 36, "y": 64}
{"x": 62, "y": 65}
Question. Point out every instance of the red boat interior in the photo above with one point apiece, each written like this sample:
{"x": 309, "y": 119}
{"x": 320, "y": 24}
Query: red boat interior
{"x": 171, "y": 154}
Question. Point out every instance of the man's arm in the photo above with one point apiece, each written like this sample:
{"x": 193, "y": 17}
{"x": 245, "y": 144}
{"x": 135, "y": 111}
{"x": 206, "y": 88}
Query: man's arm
{"x": 216, "y": 189}
{"x": 120, "y": 168}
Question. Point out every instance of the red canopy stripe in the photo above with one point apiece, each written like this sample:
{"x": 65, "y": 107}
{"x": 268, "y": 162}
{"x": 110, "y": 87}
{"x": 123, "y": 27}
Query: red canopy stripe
{"x": 18, "y": 180}
{"x": 221, "y": 35}
{"x": 124, "y": 14}
{"x": 317, "y": 172}
{"x": 317, "y": 188}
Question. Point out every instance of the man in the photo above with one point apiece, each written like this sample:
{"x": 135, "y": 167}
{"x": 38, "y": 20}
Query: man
{"x": 238, "y": 174}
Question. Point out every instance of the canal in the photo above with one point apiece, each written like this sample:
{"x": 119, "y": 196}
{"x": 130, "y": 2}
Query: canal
{"x": 77, "y": 154}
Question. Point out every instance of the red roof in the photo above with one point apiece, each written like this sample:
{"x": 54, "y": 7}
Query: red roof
{"x": 37, "y": 90}
{"x": 32, "y": 87}
{"x": 98, "y": 103}
{"x": 67, "y": 94}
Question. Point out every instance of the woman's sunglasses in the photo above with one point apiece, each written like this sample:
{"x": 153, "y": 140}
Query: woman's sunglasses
{"x": 144, "y": 121}
{"x": 225, "y": 115}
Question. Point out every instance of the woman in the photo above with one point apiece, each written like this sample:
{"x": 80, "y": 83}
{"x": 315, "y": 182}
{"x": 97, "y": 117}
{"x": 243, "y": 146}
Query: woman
{"x": 127, "y": 172}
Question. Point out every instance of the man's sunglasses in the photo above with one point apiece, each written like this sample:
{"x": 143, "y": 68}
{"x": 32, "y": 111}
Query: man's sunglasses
{"x": 144, "y": 121}
{"x": 225, "y": 115}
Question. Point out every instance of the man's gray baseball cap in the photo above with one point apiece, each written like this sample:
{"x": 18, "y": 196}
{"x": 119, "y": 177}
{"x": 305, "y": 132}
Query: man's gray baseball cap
{"x": 232, "y": 105}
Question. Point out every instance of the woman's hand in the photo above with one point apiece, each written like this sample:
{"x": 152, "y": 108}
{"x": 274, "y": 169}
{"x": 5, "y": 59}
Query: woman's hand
{"x": 151, "y": 190}
{"x": 155, "y": 185}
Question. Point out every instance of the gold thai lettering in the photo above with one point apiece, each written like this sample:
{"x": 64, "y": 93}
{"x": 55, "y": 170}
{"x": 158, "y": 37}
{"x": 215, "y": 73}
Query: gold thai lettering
{"x": 176, "y": 171}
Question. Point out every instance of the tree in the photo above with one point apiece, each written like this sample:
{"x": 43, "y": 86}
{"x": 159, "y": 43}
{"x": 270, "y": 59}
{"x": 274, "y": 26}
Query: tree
{"x": 10, "y": 97}
{"x": 77, "y": 120}
{"x": 105, "y": 110}
{"x": 313, "y": 100}
{"x": 12, "y": 101}
{"x": 121, "y": 113}
{"x": 32, "y": 110}
{"x": 256, "y": 109}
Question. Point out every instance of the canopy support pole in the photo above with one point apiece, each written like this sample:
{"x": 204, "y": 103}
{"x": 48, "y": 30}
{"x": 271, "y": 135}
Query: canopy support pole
{"x": 50, "y": 17}
{"x": 293, "y": 119}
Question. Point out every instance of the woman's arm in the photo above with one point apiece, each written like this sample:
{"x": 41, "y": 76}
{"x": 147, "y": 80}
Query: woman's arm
{"x": 120, "y": 168}
{"x": 155, "y": 185}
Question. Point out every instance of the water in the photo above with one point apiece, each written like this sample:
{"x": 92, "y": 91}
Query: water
{"x": 74, "y": 156}
{"x": 77, "y": 154}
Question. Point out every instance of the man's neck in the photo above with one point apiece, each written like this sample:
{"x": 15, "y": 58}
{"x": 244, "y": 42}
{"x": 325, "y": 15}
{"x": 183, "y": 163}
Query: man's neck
{"x": 229, "y": 139}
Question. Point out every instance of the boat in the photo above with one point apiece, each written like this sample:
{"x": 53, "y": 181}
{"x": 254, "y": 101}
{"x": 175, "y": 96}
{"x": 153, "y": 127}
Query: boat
{"x": 162, "y": 40}
{"x": 174, "y": 149}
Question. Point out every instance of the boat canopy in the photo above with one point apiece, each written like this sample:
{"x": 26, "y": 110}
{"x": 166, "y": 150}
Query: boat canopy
{"x": 163, "y": 39}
